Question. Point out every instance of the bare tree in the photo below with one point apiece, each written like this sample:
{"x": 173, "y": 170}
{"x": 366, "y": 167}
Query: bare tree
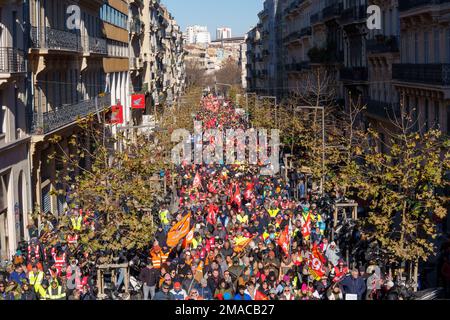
{"x": 230, "y": 73}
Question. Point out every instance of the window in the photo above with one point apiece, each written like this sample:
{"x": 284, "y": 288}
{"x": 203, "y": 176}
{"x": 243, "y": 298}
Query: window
{"x": 426, "y": 47}
{"x": 437, "y": 47}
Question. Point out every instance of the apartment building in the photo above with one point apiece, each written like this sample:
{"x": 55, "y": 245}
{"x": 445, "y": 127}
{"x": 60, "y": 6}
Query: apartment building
{"x": 406, "y": 61}
{"x": 15, "y": 182}
{"x": 164, "y": 72}
{"x": 67, "y": 81}
{"x": 422, "y": 78}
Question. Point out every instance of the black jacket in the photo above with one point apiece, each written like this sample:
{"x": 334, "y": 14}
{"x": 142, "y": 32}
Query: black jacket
{"x": 149, "y": 276}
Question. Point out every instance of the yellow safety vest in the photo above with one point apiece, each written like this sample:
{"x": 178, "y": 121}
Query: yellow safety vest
{"x": 76, "y": 224}
{"x": 57, "y": 296}
{"x": 242, "y": 219}
{"x": 163, "y": 217}
{"x": 42, "y": 292}
{"x": 36, "y": 280}
{"x": 273, "y": 213}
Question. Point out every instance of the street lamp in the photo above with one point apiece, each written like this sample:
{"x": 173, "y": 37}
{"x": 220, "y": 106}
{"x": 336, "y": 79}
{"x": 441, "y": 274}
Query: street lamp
{"x": 322, "y": 182}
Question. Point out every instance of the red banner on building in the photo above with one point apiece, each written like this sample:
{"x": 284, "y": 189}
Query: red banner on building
{"x": 117, "y": 114}
{"x": 138, "y": 101}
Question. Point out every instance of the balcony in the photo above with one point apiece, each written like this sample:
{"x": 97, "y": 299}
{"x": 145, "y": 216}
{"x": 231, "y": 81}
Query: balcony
{"x": 432, "y": 74}
{"x": 383, "y": 44}
{"x": 297, "y": 67}
{"x": 332, "y": 11}
{"x": 305, "y": 32}
{"x": 412, "y": 4}
{"x": 46, "y": 122}
{"x": 292, "y": 37}
{"x": 357, "y": 74}
{"x": 383, "y": 110}
{"x": 356, "y": 14}
{"x": 96, "y": 45}
{"x": 316, "y": 18}
{"x": 136, "y": 63}
{"x": 12, "y": 60}
{"x": 53, "y": 39}
{"x": 136, "y": 26}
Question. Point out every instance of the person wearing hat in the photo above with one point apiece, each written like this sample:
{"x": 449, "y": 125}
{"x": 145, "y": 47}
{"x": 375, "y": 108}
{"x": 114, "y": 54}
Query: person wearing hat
{"x": 189, "y": 281}
{"x": 164, "y": 293}
{"x": 56, "y": 292}
{"x": 178, "y": 292}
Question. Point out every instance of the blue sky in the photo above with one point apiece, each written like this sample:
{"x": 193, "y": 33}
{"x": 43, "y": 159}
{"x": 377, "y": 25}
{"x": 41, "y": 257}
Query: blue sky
{"x": 239, "y": 15}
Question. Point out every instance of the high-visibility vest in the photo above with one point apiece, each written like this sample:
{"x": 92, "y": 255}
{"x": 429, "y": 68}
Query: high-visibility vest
{"x": 59, "y": 295}
{"x": 42, "y": 292}
{"x": 164, "y": 256}
{"x": 76, "y": 223}
{"x": 36, "y": 279}
{"x": 273, "y": 213}
{"x": 163, "y": 217}
{"x": 156, "y": 260}
{"x": 242, "y": 219}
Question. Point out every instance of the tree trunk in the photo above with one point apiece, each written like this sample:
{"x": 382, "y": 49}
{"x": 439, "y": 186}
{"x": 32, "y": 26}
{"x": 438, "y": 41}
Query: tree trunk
{"x": 416, "y": 275}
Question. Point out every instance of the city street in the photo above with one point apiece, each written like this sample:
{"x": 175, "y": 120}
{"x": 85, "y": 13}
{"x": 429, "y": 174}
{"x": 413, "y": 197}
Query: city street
{"x": 261, "y": 150}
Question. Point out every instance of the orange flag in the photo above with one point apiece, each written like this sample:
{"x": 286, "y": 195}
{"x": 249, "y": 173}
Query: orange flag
{"x": 240, "y": 247}
{"x": 188, "y": 240}
{"x": 179, "y": 231}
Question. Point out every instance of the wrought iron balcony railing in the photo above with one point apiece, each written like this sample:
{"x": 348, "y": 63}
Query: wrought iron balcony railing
{"x": 46, "y": 122}
{"x": 136, "y": 26}
{"x": 435, "y": 74}
{"x": 12, "y": 60}
{"x": 48, "y": 38}
{"x": 97, "y": 45}
{"x": 411, "y": 4}
{"x": 307, "y": 31}
{"x": 316, "y": 18}
{"x": 354, "y": 74}
{"x": 354, "y": 14}
{"x": 332, "y": 11}
{"x": 383, "y": 44}
{"x": 383, "y": 109}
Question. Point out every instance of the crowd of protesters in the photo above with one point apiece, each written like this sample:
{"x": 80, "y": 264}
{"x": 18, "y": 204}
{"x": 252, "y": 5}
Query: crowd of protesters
{"x": 234, "y": 235}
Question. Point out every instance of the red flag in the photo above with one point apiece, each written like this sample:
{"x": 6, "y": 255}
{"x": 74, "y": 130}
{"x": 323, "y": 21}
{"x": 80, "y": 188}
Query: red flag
{"x": 306, "y": 228}
{"x": 116, "y": 114}
{"x": 212, "y": 210}
{"x": 316, "y": 263}
{"x": 237, "y": 199}
{"x": 259, "y": 296}
{"x": 284, "y": 241}
{"x": 138, "y": 101}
